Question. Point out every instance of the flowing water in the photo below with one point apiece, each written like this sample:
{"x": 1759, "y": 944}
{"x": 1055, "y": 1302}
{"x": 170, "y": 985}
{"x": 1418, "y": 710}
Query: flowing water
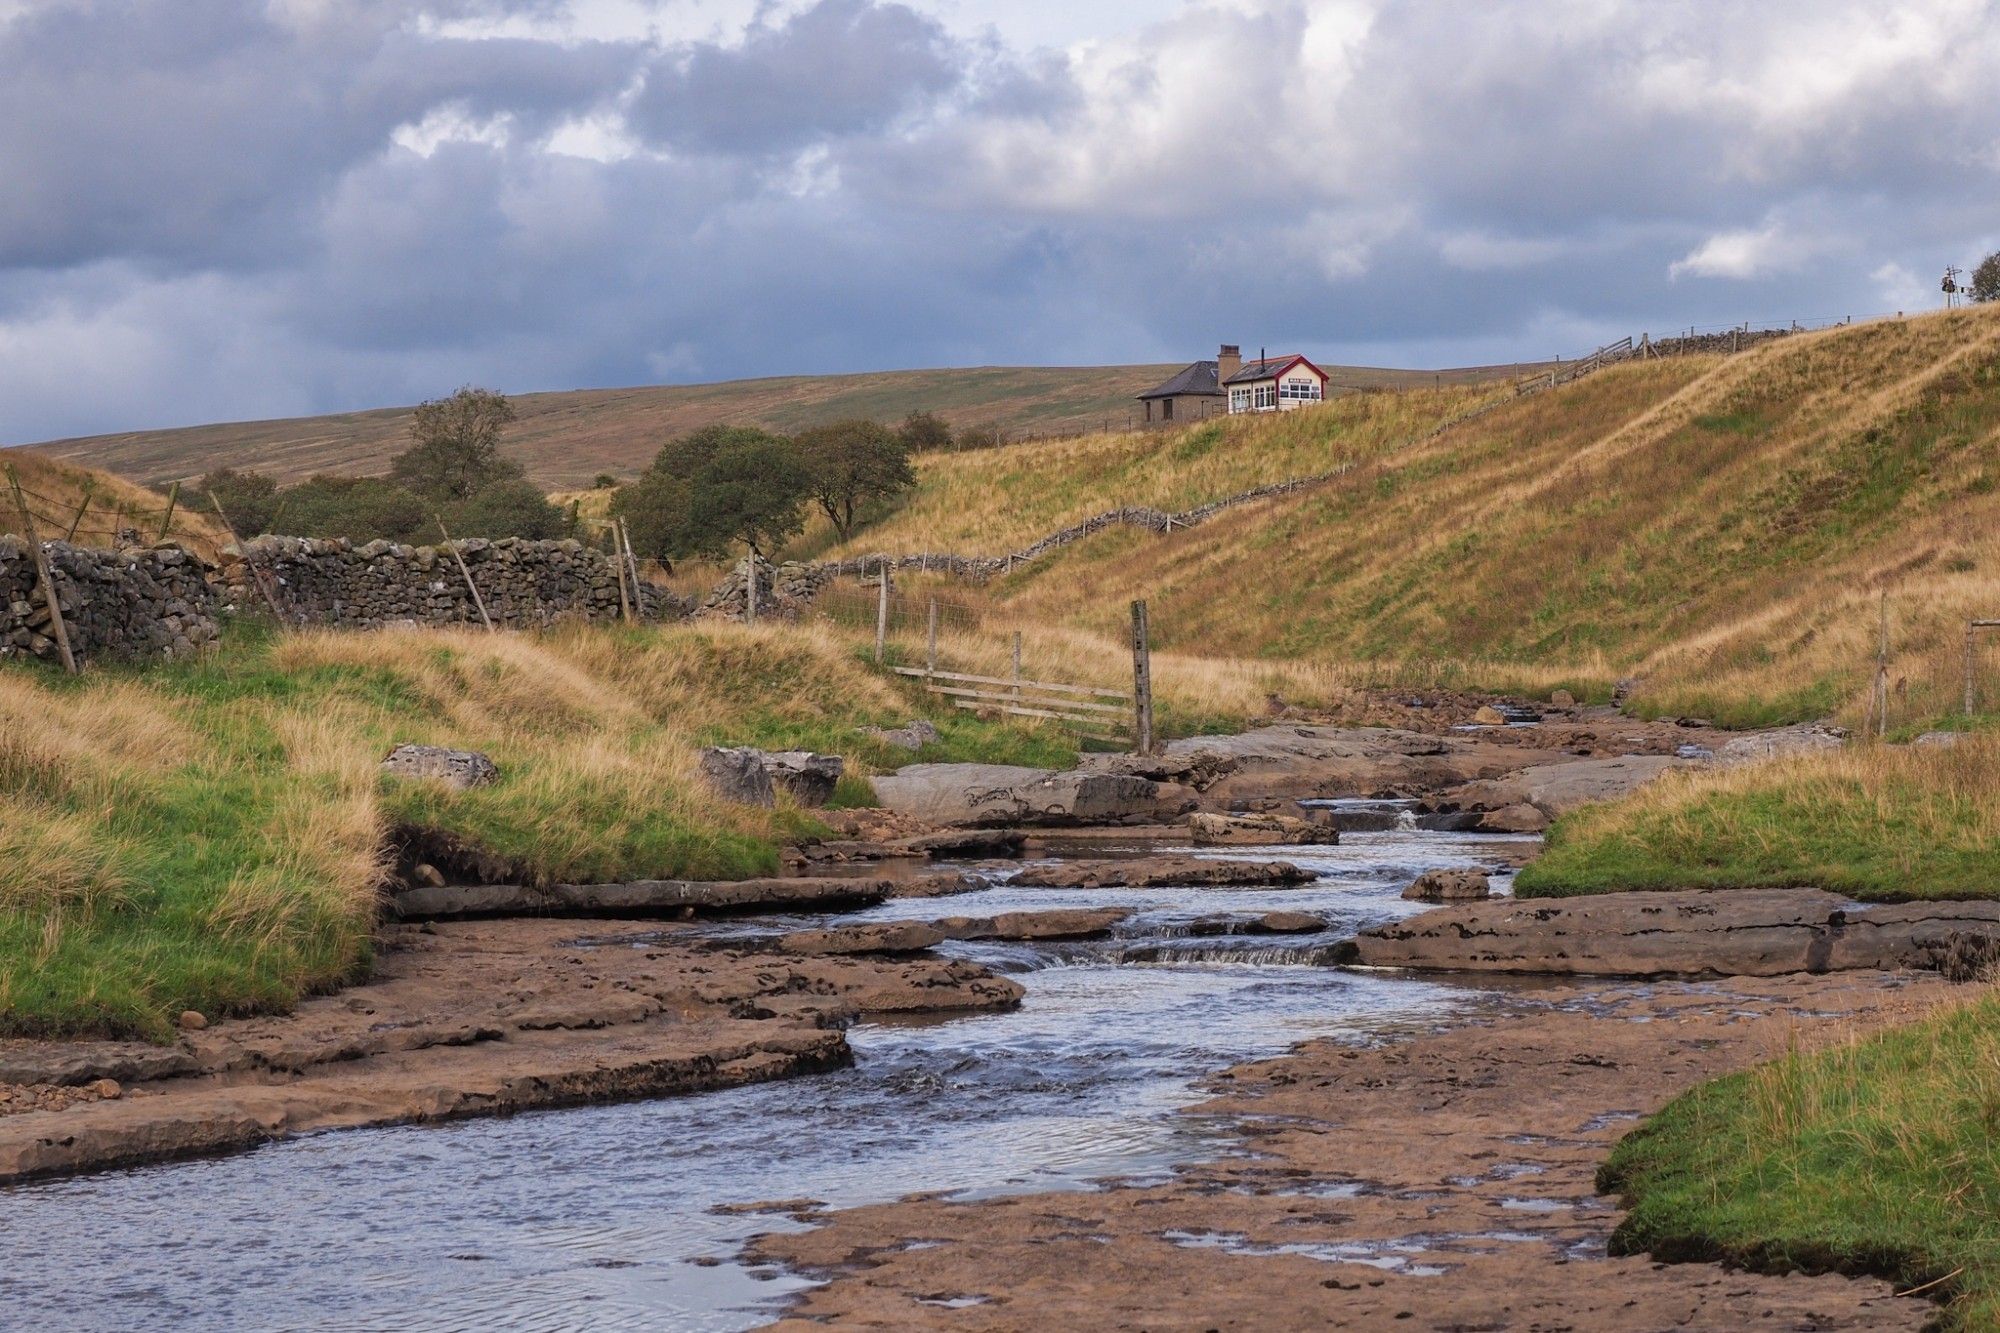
{"x": 603, "y": 1217}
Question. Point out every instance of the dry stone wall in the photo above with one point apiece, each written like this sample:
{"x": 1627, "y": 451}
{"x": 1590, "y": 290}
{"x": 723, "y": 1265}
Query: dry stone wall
{"x": 137, "y": 602}
{"x": 524, "y": 583}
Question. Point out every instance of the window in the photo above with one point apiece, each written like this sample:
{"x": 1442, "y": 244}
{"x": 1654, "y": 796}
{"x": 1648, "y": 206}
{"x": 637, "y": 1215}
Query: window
{"x": 1267, "y": 396}
{"x": 1300, "y": 390}
{"x": 1239, "y": 400}
{"x": 1167, "y": 410}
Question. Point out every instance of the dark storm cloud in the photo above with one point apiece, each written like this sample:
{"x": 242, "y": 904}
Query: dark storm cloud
{"x": 219, "y": 208}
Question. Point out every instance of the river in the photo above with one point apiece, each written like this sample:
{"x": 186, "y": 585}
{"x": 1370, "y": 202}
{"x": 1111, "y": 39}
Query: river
{"x": 603, "y": 1217}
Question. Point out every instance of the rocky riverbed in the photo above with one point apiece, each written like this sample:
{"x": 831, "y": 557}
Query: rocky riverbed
{"x": 1032, "y": 1100}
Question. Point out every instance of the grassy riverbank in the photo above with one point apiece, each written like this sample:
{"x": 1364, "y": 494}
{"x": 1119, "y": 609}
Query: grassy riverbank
{"x": 1873, "y": 1156}
{"x": 210, "y": 834}
{"x": 1881, "y": 823}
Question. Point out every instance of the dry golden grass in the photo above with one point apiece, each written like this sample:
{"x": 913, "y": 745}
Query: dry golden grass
{"x": 115, "y": 503}
{"x": 1723, "y": 528}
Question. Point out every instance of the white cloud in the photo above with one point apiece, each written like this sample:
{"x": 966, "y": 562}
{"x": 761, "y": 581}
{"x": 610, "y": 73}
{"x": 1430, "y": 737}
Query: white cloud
{"x": 1744, "y": 254}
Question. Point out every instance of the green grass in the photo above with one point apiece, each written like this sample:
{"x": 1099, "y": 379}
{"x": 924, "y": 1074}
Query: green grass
{"x": 210, "y": 835}
{"x": 1878, "y": 823}
{"x": 1877, "y": 1156}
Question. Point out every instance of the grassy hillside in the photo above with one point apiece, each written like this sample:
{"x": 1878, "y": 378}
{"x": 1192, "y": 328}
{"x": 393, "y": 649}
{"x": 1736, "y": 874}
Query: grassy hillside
{"x": 566, "y": 439}
{"x": 56, "y": 491}
{"x": 1725, "y": 528}
{"x": 210, "y": 834}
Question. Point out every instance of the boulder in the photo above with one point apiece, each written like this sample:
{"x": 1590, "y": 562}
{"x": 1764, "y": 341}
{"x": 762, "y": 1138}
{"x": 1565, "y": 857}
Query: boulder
{"x": 1288, "y": 923}
{"x": 461, "y": 769}
{"x": 1489, "y": 716}
{"x": 738, "y": 773}
{"x": 913, "y": 737}
{"x": 809, "y": 777}
{"x": 1153, "y": 872}
{"x": 1447, "y": 886}
{"x": 989, "y": 795}
{"x": 1209, "y": 830}
{"x": 1780, "y": 741}
{"x": 1562, "y": 699}
{"x": 1521, "y": 817}
{"x": 1525, "y": 801}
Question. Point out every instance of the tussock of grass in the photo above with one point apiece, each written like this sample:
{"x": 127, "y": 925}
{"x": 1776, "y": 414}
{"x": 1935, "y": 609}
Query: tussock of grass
{"x": 1875, "y": 1155}
{"x": 210, "y": 834}
{"x": 1882, "y": 823}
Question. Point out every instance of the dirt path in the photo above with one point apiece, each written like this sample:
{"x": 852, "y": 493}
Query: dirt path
{"x": 1443, "y": 1183}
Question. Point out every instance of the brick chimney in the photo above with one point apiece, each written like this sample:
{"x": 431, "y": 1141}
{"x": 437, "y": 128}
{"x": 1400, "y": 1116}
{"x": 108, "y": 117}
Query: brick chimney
{"x": 1227, "y": 362}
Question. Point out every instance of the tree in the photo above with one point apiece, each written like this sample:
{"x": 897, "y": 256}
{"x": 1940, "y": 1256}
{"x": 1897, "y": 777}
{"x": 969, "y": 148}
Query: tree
{"x": 604, "y": 481}
{"x": 249, "y": 500}
{"x": 753, "y": 492}
{"x": 363, "y": 509}
{"x": 981, "y": 437}
{"x": 658, "y": 506}
{"x": 455, "y": 447}
{"x": 506, "y": 509}
{"x": 925, "y": 432}
{"x": 1986, "y": 279}
{"x": 851, "y": 463}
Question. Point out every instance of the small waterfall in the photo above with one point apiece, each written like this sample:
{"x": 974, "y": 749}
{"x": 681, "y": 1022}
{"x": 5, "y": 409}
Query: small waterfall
{"x": 1257, "y": 954}
{"x": 1406, "y": 821}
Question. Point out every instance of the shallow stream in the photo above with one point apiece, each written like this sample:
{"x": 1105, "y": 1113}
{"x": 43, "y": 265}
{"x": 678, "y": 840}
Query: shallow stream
{"x": 602, "y": 1218}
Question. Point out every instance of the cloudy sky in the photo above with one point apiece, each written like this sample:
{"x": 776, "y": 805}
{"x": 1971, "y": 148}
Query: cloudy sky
{"x": 217, "y": 209}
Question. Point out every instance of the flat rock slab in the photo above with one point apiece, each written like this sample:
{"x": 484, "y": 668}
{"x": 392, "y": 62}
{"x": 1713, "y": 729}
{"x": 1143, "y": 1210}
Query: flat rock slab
{"x": 1524, "y": 802}
{"x": 1708, "y": 933}
{"x": 642, "y": 897}
{"x": 1154, "y": 872}
{"x": 987, "y": 795}
{"x": 916, "y": 936}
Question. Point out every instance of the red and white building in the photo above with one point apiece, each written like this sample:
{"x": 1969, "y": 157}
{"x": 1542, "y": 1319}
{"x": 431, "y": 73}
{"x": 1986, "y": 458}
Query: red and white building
{"x": 1271, "y": 384}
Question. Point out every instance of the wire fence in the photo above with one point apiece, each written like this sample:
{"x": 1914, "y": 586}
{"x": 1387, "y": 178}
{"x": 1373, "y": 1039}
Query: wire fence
{"x": 92, "y": 518}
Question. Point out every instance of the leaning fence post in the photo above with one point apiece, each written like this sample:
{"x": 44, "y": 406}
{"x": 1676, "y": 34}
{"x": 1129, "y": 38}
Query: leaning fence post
{"x": 256, "y": 574}
{"x": 1142, "y": 681}
{"x": 1968, "y": 666}
{"x": 882, "y": 609}
{"x": 466, "y": 570}
{"x": 618, "y": 559}
{"x": 173, "y": 499}
{"x": 89, "y": 489}
{"x": 49, "y": 595}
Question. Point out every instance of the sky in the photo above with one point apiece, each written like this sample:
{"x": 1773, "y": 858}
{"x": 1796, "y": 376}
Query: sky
{"x": 229, "y": 209}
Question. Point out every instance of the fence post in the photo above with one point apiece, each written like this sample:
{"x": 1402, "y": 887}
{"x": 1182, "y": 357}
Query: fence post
{"x": 882, "y": 609}
{"x": 1968, "y": 666}
{"x": 1142, "y": 681}
{"x": 750, "y": 588}
{"x": 173, "y": 499}
{"x": 466, "y": 570}
{"x": 1017, "y": 668}
{"x": 931, "y": 645}
{"x": 256, "y": 574}
{"x": 630, "y": 560}
{"x": 89, "y": 489}
{"x": 49, "y": 596}
{"x": 624, "y": 603}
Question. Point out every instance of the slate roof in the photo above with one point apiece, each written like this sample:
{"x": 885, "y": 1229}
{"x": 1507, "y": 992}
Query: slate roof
{"x": 1198, "y": 378}
{"x": 1265, "y": 369}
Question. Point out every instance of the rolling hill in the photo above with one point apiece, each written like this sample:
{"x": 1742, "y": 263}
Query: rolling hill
{"x": 1730, "y": 529}
{"x": 566, "y": 439}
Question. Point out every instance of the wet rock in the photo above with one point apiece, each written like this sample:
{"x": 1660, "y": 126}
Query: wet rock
{"x": 913, "y": 737}
{"x": 1444, "y": 886}
{"x": 916, "y": 936}
{"x": 984, "y": 795}
{"x": 460, "y": 769}
{"x": 738, "y": 773}
{"x": 966, "y": 842}
{"x": 938, "y": 886}
{"x": 1163, "y": 871}
{"x": 1289, "y": 923}
{"x": 673, "y": 897}
{"x": 1209, "y": 830}
{"x": 1721, "y": 932}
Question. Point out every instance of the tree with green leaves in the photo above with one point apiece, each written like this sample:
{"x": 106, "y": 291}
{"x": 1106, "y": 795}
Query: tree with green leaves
{"x": 852, "y": 464}
{"x": 249, "y": 500}
{"x": 1985, "y": 284}
{"x": 363, "y": 509}
{"x": 455, "y": 447}
{"x": 715, "y": 488}
{"x": 925, "y": 432}
{"x": 507, "y": 509}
